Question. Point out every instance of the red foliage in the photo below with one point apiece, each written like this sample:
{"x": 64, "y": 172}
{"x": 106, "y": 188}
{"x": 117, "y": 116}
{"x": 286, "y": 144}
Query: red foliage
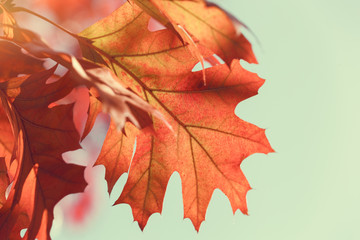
{"x": 183, "y": 120}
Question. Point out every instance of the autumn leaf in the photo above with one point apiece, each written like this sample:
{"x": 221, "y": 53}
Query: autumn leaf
{"x": 43, "y": 134}
{"x": 207, "y": 23}
{"x": 206, "y": 142}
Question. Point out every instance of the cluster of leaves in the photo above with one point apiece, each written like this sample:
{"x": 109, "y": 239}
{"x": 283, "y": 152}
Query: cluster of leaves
{"x": 183, "y": 120}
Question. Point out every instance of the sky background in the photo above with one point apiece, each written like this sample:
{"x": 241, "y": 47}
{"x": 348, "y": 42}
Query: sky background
{"x": 308, "y": 189}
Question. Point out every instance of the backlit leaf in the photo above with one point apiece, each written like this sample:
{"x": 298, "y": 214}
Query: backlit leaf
{"x": 206, "y": 141}
{"x": 43, "y": 134}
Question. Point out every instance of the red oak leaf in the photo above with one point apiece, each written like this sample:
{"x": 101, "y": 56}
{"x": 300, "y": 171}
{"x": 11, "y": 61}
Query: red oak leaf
{"x": 42, "y": 134}
{"x": 206, "y": 142}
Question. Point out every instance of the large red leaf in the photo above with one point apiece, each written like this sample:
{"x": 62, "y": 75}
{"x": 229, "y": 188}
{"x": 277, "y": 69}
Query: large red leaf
{"x": 206, "y": 142}
{"x": 43, "y": 134}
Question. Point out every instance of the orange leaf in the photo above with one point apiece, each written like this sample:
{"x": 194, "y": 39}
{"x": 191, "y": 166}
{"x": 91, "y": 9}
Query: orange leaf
{"x": 207, "y": 23}
{"x": 207, "y": 142}
{"x": 207, "y": 149}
